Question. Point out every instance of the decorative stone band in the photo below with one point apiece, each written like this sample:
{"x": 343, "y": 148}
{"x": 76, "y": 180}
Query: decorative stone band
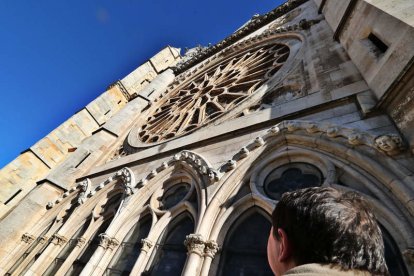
{"x": 211, "y": 248}
{"x": 59, "y": 240}
{"x": 125, "y": 175}
{"x": 195, "y": 160}
{"x": 256, "y": 23}
{"x": 112, "y": 243}
{"x": 390, "y": 143}
{"x": 27, "y": 238}
{"x": 146, "y": 245}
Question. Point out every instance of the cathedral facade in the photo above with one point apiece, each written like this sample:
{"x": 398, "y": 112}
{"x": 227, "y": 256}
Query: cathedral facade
{"x": 175, "y": 169}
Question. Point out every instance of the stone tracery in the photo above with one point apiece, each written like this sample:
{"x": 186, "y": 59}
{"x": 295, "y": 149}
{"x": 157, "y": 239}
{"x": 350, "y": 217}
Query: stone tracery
{"x": 213, "y": 92}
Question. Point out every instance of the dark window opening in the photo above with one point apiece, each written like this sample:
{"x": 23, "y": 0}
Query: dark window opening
{"x": 380, "y": 46}
{"x": 244, "y": 251}
{"x": 13, "y": 196}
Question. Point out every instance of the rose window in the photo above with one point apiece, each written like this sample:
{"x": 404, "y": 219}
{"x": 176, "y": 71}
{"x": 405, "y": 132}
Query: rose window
{"x": 211, "y": 93}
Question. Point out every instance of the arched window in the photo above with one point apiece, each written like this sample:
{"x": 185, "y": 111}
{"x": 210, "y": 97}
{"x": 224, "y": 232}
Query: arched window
{"x": 129, "y": 250}
{"x": 244, "y": 249}
{"x": 172, "y": 253}
{"x": 67, "y": 249}
{"x": 393, "y": 256}
{"x": 290, "y": 177}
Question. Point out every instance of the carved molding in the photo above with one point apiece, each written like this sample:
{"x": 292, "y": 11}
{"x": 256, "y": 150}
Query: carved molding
{"x": 195, "y": 244}
{"x": 126, "y": 176}
{"x": 146, "y": 245}
{"x": 59, "y": 240}
{"x": 27, "y": 238}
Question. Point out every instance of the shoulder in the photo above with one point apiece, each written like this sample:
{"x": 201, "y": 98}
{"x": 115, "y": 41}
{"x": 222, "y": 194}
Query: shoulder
{"x": 319, "y": 269}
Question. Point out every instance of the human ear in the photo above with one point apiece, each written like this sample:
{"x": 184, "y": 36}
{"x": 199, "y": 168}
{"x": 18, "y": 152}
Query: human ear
{"x": 285, "y": 247}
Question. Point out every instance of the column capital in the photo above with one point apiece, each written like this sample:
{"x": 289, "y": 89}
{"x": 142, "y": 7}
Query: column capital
{"x": 80, "y": 241}
{"x": 146, "y": 245}
{"x": 195, "y": 244}
{"x": 27, "y": 238}
{"x": 211, "y": 248}
{"x": 104, "y": 240}
{"x": 112, "y": 243}
{"x": 43, "y": 239}
{"x": 59, "y": 240}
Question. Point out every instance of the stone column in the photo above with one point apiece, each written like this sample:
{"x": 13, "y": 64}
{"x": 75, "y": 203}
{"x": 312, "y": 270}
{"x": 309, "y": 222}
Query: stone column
{"x": 210, "y": 251}
{"x": 7, "y": 261}
{"x": 97, "y": 255}
{"x": 49, "y": 254}
{"x": 107, "y": 256}
{"x": 143, "y": 257}
{"x": 195, "y": 251}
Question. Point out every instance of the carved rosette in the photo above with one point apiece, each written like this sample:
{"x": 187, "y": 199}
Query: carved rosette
{"x": 211, "y": 248}
{"x": 195, "y": 244}
{"x": 27, "y": 238}
{"x": 146, "y": 245}
{"x": 59, "y": 240}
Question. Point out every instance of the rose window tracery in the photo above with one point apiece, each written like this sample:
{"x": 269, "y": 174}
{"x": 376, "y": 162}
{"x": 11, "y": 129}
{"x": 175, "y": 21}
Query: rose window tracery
{"x": 213, "y": 92}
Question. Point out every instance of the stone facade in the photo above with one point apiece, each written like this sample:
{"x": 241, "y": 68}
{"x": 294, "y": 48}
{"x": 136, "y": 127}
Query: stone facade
{"x": 176, "y": 168}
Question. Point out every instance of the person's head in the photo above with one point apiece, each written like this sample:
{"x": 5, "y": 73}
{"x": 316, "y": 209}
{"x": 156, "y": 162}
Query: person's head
{"x": 326, "y": 226}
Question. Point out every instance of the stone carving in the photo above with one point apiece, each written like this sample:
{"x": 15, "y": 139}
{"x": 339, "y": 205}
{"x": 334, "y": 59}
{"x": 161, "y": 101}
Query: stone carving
{"x": 127, "y": 178}
{"x": 125, "y": 175}
{"x": 354, "y": 139}
{"x": 253, "y": 25}
{"x": 112, "y": 243}
{"x": 244, "y": 152}
{"x": 231, "y": 165}
{"x": 389, "y": 143}
{"x": 27, "y": 238}
{"x": 195, "y": 244}
{"x": 146, "y": 245}
{"x": 211, "y": 248}
{"x": 104, "y": 240}
{"x": 211, "y": 93}
{"x": 84, "y": 189}
{"x": 59, "y": 240}
{"x": 120, "y": 152}
{"x": 80, "y": 241}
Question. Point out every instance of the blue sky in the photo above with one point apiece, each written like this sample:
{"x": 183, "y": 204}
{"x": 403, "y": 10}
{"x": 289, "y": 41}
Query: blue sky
{"x": 58, "y": 55}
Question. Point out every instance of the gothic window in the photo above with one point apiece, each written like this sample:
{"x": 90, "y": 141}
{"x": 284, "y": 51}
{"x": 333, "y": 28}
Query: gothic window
{"x": 89, "y": 249}
{"x": 393, "y": 256}
{"x": 291, "y": 177}
{"x": 67, "y": 249}
{"x": 172, "y": 254}
{"x": 129, "y": 250}
{"x": 174, "y": 195}
{"x": 244, "y": 249}
{"x": 213, "y": 92}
